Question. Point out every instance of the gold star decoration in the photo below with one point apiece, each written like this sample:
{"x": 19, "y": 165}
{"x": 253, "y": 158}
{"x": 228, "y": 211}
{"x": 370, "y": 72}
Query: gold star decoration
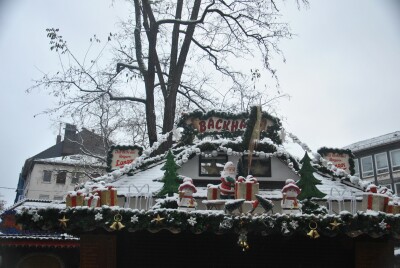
{"x": 158, "y": 219}
{"x": 63, "y": 222}
{"x": 335, "y": 225}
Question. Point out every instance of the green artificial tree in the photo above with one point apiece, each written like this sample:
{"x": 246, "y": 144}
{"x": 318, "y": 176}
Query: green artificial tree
{"x": 308, "y": 182}
{"x": 170, "y": 179}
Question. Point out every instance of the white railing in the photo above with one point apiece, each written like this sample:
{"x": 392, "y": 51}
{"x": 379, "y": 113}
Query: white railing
{"x": 138, "y": 197}
{"x": 340, "y": 197}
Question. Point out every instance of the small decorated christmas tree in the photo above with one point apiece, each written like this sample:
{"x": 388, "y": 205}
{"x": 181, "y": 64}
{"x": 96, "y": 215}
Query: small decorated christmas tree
{"x": 170, "y": 179}
{"x": 308, "y": 182}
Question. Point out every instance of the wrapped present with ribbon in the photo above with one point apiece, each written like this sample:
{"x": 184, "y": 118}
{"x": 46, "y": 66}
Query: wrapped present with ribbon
{"x": 74, "y": 199}
{"x": 108, "y": 195}
{"x": 246, "y": 188}
{"x": 213, "y": 192}
{"x": 393, "y": 207}
{"x": 376, "y": 202}
{"x": 93, "y": 200}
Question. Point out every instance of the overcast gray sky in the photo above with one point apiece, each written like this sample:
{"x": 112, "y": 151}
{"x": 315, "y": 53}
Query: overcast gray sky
{"x": 342, "y": 70}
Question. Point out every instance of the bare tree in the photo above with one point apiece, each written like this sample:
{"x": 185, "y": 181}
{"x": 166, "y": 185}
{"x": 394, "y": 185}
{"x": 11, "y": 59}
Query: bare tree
{"x": 167, "y": 54}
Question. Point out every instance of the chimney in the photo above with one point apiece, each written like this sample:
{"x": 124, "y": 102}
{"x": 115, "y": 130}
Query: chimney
{"x": 58, "y": 139}
{"x": 70, "y": 132}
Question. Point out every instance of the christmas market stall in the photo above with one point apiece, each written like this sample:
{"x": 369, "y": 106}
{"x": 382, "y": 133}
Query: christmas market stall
{"x": 35, "y": 248}
{"x": 227, "y": 193}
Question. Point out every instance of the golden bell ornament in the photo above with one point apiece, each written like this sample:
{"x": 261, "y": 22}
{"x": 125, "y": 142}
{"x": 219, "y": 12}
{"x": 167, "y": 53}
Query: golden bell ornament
{"x": 313, "y": 233}
{"x": 117, "y": 225}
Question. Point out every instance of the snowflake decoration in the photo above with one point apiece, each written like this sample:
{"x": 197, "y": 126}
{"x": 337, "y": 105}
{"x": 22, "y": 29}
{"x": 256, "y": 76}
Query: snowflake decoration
{"x": 192, "y": 221}
{"x": 383, "y": 225}
{"x": 226, "y": 224}
{"x": 98, "y": 216}
{"x": 36, "y": 217}
{"x": 284, "y": 228}
{"x": 134, "y": 219}
{"x": 294, "y": 224}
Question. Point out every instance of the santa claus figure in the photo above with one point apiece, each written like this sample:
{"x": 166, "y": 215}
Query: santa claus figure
{"x": 289, "y": 203}
{"x": 186, "y": 190}
{"x": 227, "y": 186}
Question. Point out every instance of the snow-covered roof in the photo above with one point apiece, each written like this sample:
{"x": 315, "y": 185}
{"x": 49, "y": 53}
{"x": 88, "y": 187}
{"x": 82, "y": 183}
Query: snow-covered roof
{"x": 142, "y": 183}
{"x": 147, "y": 182}
{"x": 76, "y": 160}
{"x": 374, "y": 142}
{"x": 36, "y": 204}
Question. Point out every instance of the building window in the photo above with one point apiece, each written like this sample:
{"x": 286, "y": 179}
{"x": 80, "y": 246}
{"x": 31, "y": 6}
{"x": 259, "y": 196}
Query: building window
{"x": 58, "y": 198}
{"x": 212, "y": 166}
{"x": 47, "y": 176}
{"x": 61, "y": 177}
{"x": 397, "y": 187}
{"x": 75, "y": 178}
{"x": 356, "y": 168}
{"x": 395, "y": 160}
{"x": 381, "y": 163}
{"x": 367, "y": 167}
{"x": 44, "y": 196}
{"x": 260, "y": 167}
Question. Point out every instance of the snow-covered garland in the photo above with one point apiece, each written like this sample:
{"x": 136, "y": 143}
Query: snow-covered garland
{"x": 83, "y": 219}
{"x": 225, "y": 146}
{"x": 328, "y": 166}
{"x": 142, "y": 160}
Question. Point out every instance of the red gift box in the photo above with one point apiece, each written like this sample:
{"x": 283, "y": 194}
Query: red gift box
{"x": 393, "y": 207}
{"x": 74, "y": 199}
{"x": 213, "y": 192}
{"x": 92, "y": 201}
{"x": 246, "y": 189}
{"x": 108, "y": 195}
{"x": 376, "y": 202}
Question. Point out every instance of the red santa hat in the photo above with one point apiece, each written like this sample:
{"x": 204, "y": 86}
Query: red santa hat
{"x": 291, "y": 186}
{"x": 186, "y": 185}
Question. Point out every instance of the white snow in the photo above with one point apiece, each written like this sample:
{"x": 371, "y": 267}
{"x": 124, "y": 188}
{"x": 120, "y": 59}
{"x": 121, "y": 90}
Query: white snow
{"x": 77, "y": 159}
{"x": 377, "y": 141}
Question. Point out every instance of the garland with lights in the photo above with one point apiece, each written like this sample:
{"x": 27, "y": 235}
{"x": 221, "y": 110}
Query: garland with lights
{"x": 325, "y": 150}
{"x": 83, "y": 219}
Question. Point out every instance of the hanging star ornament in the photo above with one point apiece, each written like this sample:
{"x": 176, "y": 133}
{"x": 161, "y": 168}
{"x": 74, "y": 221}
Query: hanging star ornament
{"x": 63, "y": 222}
{"x": 335, "y": 225}
{"x": 158, "y": 219}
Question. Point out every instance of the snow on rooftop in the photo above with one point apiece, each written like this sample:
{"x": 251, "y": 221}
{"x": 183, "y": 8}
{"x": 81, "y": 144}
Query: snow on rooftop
{"x": 77, "y": 159}
{"x": 37, "y": 204}
{"x": 377, "y": 141}
{"x": 143, "y": 182}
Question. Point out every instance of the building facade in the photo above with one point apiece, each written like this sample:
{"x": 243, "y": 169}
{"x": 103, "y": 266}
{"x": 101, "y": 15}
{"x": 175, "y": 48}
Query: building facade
{"x": 377, "y": 160}
{"x": 54, "y": 171}
{"x": 52, "y": 178}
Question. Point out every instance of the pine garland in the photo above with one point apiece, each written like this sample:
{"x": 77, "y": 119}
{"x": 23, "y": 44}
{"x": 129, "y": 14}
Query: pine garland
{"x": 83, "y": 219}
